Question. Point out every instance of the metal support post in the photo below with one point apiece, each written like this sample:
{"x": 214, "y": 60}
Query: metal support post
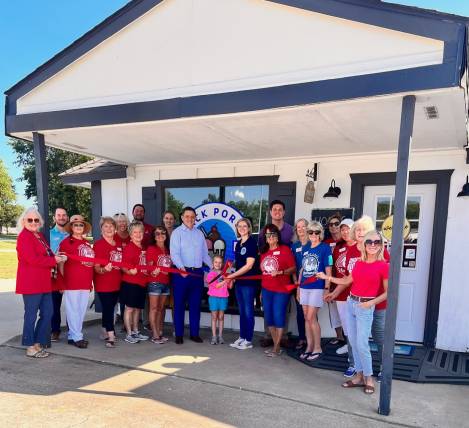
{"x": 42, "y": 180}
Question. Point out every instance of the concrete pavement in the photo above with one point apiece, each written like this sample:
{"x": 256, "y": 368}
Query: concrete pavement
{"x": 202, "y": 385}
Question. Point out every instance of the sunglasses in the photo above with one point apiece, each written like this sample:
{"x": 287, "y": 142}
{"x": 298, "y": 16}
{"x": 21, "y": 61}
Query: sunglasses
{"x": 33, "y": 220}
{"x": 78, "y": 225}
{"x": 271, "y": 235}
{"x": 162, "y": 233}
{"x": 334, "y": 223}
{"x": 314, "y": 232}
{"x": 373, "y": 242}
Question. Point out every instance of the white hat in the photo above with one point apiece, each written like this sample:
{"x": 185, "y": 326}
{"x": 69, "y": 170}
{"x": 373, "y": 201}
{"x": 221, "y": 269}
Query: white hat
{"x": 346, "y": 222}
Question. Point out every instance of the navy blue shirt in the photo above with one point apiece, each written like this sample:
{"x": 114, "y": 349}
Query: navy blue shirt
{"x": 298, "y": 251}
{"x": 244, "y": 250}
{"x": 315, "y": 260}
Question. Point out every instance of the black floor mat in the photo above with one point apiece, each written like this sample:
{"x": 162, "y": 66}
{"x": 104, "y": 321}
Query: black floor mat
{"x": 423, "y": 365}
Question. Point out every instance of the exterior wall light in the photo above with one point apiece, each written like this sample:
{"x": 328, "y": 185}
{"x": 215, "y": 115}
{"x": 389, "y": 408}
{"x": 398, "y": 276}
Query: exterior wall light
{"x": 464, "y": 193}
{"x": 333, "y": 191}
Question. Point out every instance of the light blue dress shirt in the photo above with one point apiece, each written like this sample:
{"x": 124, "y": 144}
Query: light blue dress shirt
{"x": 188, "y": 248}
{"x": 55, "y": 238}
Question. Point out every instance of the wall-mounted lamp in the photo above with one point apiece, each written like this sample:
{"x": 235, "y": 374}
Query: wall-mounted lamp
{"x": 465, "y": 189}
{"x": 333, "y": 191}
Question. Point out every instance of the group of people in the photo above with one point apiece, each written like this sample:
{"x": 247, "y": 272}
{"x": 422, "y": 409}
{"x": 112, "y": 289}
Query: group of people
{"x": 139, "y": 266}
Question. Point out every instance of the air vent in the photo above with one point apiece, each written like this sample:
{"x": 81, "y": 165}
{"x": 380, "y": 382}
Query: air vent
{"x": 431, "y": 112}
{"x": 74, "y": 146}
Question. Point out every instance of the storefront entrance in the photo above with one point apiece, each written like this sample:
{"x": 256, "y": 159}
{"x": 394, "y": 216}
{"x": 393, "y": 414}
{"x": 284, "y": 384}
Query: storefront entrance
{"x": 413, "y": 290}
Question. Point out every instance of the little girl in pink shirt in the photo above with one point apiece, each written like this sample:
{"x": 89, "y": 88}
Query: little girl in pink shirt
{"x": 217, "y": 298}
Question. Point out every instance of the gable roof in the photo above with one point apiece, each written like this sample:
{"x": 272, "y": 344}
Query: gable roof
{"x": 402, "y": 18}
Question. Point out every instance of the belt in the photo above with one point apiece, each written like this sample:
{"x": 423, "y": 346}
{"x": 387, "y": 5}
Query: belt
{"x": 361, "y": 299}
{"x": 191, "y": 269}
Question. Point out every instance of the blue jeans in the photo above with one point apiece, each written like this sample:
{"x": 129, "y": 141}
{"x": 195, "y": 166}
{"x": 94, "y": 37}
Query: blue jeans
{"x": 275, "y": 307}
{"x": 359, "y": 329}
{"x": 245, "y": 295}
{"x": 377, "y": 331}
{"x": 56, "y": 319}
{"x": 187, "y": 290}
{"x": 37, "y": 330}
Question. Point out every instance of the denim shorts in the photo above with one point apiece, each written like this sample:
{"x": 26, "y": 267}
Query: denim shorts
{"x": 158, "y": 289}
{"x": 217, "y": 303}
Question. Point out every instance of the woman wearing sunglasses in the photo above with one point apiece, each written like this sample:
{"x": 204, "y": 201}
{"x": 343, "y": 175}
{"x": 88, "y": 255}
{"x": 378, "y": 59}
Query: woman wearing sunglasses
{"x": 277, "y": 264}
{"x": 158, "y": 285}
{"x": 317, "y": 258}
{"x": 77, "y": 278}
{"x": 369, "y": 279}
{"x": 36, "y": 263}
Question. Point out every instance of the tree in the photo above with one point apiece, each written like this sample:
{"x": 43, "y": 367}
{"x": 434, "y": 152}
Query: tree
{"x": 9, "y": 211}
{"x": 76, "y": 200}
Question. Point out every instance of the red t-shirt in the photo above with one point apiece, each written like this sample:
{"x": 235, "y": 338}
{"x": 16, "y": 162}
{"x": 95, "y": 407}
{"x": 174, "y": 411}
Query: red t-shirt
{"x": 368, "y": 278}
{"x": 338, "y": 269}
{"x": 332, "y": 242}
{"x": 77, "y": 275}
{"x": 135, "y": 256}
{"x": 107, "y": 281}
{"x": 120, "y": 242}
{"x": 35, "y": 262}
{"x": 275, "y": 260}
{"x": 353, "y": 255}
{"x": 147, "y": 235}
{"x": 157, "y": 256}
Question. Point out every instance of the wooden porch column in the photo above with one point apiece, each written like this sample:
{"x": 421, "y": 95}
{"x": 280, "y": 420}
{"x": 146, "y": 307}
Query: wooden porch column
{"x": 400, "y": 201}
{"x": 42, "y": 180}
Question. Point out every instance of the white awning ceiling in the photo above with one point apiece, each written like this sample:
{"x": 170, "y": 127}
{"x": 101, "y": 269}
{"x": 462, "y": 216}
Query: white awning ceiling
{"x": 348, "y": 127}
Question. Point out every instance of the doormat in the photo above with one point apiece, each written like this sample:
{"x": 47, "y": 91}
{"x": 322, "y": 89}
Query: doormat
{"x": 398, "y": 349}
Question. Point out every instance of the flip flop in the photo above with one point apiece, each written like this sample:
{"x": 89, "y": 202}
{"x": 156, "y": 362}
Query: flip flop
{"x": 110, "y": 344}
{"x": 305, "y": 355}
{"x": 39, "y": 354}
{"x": 314, "y": 356}
{"x": 368, "y": 389}
{"x": 267, "y": 351}
{"x": 350, "y": 384}
{"x": 274, "y": 354}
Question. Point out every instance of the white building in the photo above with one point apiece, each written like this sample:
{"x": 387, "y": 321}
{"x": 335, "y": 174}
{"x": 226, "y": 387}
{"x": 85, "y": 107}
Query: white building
{"x": 192, "y": 97}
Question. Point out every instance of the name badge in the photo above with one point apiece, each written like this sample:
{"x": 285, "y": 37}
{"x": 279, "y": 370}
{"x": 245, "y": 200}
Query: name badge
{"x": 298, "y": 250}
{"x": 276, "y": 253}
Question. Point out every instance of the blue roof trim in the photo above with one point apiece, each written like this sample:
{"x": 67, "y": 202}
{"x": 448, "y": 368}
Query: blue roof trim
{"x": 409, "y": 80}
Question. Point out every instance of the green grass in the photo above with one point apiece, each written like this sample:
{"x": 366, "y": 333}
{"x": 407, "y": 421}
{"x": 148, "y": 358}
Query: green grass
{"x": 8, "y": 265}
{"x": 7, "y": 245}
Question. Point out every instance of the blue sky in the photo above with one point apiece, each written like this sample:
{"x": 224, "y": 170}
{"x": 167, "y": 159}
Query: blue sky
{"x": 32, "y": 31}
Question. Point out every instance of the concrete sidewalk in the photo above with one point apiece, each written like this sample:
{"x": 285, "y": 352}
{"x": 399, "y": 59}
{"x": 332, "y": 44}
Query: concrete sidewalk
{"x": 202, "y": 385}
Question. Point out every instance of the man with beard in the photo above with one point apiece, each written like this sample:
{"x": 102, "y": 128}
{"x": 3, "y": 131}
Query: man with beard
{"x": 138, "y": 212}
{"x": 56, "y": 236}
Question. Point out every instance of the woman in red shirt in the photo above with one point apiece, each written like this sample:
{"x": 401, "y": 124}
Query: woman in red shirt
{"x": 107, "y": 278}
{"x": 77, "y": 278}
{"x": 277, "y": 265}
{"x": 369, "y": 279}
{"x": 158, "y": 282}
{"x": 122, "y": 237}
{"x": 36, "y": 262}
{"x": 134, "y": 282}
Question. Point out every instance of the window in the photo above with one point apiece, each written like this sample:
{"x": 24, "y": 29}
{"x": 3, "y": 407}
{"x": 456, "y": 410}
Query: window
{"x": 177, "y": 198}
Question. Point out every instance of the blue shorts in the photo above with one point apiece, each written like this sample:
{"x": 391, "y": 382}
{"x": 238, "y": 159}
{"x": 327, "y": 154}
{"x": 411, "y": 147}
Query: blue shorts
{"x": 158, "y": 289}
{"x": 275, "y": 307}
{"x": 217, "y": 303}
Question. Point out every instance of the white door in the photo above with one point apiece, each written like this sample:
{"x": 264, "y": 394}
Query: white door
{"x": 413, "y": 288}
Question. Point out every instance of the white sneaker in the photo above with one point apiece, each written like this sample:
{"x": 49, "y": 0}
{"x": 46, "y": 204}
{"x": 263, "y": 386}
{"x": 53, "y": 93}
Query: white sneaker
{"x": 236, "y": 342}
{"x": 244, "y": 345}
{"x": 140, "y": 336}
{"x": 342, "y": 350}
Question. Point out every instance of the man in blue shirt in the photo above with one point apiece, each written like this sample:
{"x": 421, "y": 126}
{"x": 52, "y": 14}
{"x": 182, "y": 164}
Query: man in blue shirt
{"x": 188, "y": 252}
{"x": 56, "y": 235}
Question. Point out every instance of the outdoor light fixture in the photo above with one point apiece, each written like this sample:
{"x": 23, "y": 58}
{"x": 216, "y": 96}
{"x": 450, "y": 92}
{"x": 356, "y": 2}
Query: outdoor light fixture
{"x": 333, "y": 191}
{"x": 465, "y": 189}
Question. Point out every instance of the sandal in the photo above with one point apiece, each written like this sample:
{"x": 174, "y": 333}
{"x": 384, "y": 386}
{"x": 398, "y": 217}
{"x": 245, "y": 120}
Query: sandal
{"x": 274, "y": 354}
{"x": 110, "y": 344}
{"x": 305, "y": 355}
{"x": 350, "y": 384}
{"x": 268, "y": 351}
{"x": 313, "y": 356}
{"x": 38, "y": 354}
{"x": 368, "y": 389}
{"x": 157, "y": 340}
{"x": 82, "y": 344}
